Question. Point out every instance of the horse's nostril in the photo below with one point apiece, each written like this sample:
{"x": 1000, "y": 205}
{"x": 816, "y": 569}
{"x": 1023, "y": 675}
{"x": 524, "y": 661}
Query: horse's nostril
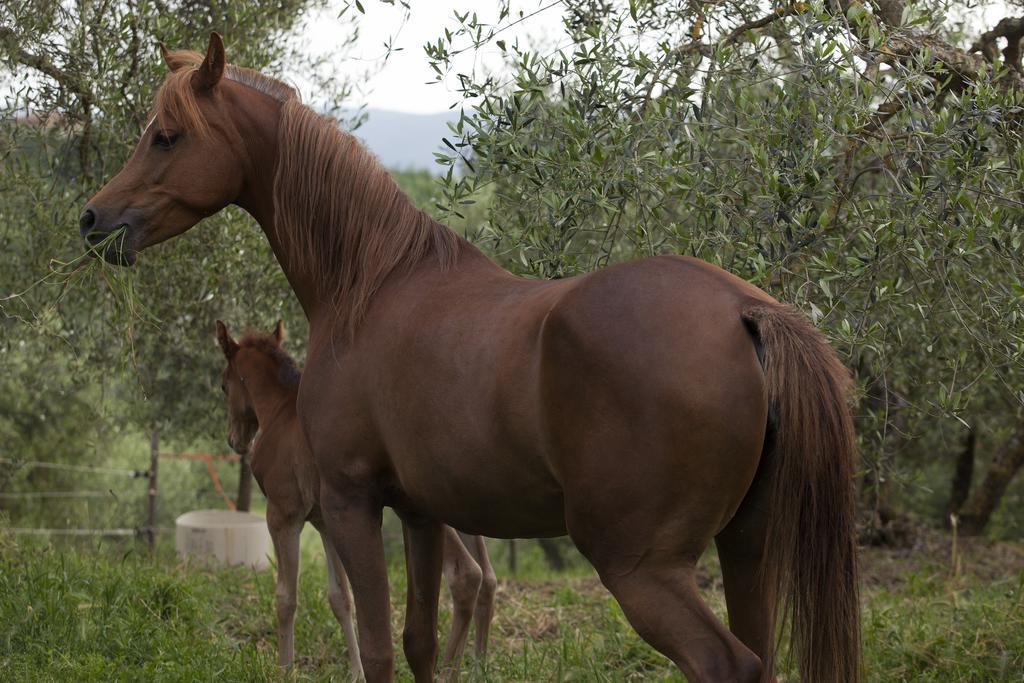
{"x": 87, "y": 221}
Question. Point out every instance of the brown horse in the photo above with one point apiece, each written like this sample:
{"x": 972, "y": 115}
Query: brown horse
{"x": 645, "y": 409}
{"x": 260, "y": 384}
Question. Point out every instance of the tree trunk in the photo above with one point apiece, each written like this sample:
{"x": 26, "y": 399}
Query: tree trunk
{"x": 244, "y": 498}
{"x": 977, "y": 511}
{"x": 962, "y": 477}
{"x": 552, "y": 553}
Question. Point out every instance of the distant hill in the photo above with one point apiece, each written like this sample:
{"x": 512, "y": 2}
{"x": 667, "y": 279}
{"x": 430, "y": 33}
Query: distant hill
{"x": 406, "y": 141}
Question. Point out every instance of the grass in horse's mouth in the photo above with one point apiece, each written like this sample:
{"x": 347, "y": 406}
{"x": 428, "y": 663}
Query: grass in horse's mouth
{"x": 60, "y": 274}
{"x": 120, "y": 282}
{"x": 99, "y": 249}
{"x": 34, "y": 306}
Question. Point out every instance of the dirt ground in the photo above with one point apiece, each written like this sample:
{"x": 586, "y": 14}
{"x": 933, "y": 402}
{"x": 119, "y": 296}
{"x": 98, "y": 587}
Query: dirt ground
{"x": 933, "y": 552}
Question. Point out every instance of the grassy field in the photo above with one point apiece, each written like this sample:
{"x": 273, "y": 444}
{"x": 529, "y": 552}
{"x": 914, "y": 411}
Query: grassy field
{"x": 110, "y": 613}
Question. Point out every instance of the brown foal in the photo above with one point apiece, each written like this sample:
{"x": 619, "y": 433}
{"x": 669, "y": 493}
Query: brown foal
{"x": 260, "y": 384}
{"x": 646, "y": 409}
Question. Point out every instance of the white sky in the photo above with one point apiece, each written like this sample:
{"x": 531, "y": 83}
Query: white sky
{"x": 401, "y": 84}
{"x": 405, "y": 82}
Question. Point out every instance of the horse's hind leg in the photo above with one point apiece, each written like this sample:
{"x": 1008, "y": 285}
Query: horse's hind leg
{"x": 485, "y": 598}
{"x": 341, "y": 604}
{"x": 285, "y": 532}
{"x": 464, "y": 578}
{"x": 660, "y": 598}
{"x": 741, "y": 547}
{"x": 644, "y": 539}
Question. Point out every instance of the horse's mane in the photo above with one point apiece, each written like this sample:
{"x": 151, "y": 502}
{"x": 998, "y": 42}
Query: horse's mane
{"x": 350, "y": 225}
{"x": 288, "y": 372}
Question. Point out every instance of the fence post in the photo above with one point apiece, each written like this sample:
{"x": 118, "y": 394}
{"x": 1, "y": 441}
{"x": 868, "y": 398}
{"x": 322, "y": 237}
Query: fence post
{"x": 244, "y": 497}
{"x": 154, "y": 461}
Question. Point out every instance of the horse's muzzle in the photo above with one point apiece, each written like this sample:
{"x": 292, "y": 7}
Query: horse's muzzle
{"x": 108, "y": 244}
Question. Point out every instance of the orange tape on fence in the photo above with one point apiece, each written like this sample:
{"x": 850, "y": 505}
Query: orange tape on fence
{"x": 209, "y": 459}
{"x": 228, "y": 457}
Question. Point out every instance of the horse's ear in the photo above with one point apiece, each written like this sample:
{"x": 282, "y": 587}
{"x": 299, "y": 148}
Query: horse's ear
{"x": 169, "y": 59}
{"x": 228, "y": 345}
{"x": 212, "y": 68}
{"x": 173, "y": 63}
{"x": 166, "y": 54}
{"x": 279, "y": 332}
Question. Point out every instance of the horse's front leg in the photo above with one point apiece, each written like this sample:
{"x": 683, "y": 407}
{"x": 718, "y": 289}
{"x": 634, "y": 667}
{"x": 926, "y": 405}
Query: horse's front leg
{"x": 352, "y": 515}
{"x": 340, "y": 599}
{"x": 424, "y": 549}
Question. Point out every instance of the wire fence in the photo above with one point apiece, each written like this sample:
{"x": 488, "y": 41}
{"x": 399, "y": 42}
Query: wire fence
{"x": 21, "y": 495}
{"x": 38, "y": 464}
{"x": 136, "y": 531}
{"x": 148, "y": 528}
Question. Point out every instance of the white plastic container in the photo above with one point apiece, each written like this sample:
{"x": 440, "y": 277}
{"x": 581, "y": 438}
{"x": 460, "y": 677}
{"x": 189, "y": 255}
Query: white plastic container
{"x": 223, "y": 536}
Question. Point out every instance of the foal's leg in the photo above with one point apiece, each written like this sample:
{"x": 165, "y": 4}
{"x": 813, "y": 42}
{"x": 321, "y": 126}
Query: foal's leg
{"x": 352, "y": 515}
{"x": 485, "y": 598}
{"x": 464, "y": 577}
{"x": 285, "y": 531}
{"x": 424, "y": 548}
{"x": 341, "y": 604}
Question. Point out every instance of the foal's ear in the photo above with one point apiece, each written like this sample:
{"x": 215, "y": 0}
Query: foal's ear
{"x": 212, "y": 68}
{"x": 228, "y": 345}
{"x": 279, "y": 332}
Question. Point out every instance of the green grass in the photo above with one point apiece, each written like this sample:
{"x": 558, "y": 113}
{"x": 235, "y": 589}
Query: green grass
{"x": 937, "y": 629}
{"x": 110, "y": 613}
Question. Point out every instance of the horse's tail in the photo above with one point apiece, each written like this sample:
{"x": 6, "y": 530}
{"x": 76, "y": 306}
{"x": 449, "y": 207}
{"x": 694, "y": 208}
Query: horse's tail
{"x": 810, "y": 561}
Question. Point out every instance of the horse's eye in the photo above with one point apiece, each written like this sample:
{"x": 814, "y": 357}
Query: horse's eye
{"x": 165, "y": 139}
{"x": 224, "y": 387}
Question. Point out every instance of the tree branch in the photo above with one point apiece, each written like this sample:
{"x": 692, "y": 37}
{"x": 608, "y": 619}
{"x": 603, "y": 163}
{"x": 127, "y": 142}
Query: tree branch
{"x": 779, "y": 13}
{"x": 43, "y": 65}
{"x": 1011, "y": 28}
{"x": 698, "y": 46}
{"x": 951, "y": 67}
{"x": 890, "y": 12}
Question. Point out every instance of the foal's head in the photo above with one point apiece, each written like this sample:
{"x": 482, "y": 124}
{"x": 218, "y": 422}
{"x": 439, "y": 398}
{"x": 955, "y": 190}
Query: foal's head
{"x": 253, "y": 360}
{"x": 191, "y": 160}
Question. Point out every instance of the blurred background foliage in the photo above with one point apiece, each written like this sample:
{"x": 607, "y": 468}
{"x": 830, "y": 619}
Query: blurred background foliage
{"x": 860, "y": 160}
